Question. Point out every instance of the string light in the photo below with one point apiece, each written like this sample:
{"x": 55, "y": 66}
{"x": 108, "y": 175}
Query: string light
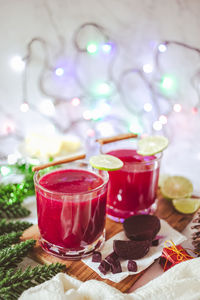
{"x": 107, "y": 48}
{"x": 163, "y": 119}
{"x": 92, "y": 48}
{"x": 59, "y": 71}
{"x": 24, "y": 107}
{"x": 162, "y": 48}
{"x": 75, "y": 101}
{"x": 157, "y": 125}
{"x": 17, "y": 63}
{"x": 177, "y": 107}
{"x": 5, "y": 171}
{"x": 167, "y": 83}
{"x": 194, "y": 110}
{"x": 90, "y": 132}
{"x": 147, "y": 107}
{"x": 103, "y": 89}
{"x": 147, "y": 68}
{"x": 8, "y": 127}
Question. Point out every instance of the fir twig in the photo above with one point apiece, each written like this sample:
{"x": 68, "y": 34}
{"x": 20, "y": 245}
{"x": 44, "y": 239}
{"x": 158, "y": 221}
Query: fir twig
{"x": 8, "y": 239}
{"x": 9, "y": 226}
{"x": 12, "y": 210}
{"x": 14, "y": 284}
{"x": 11, "y": 256}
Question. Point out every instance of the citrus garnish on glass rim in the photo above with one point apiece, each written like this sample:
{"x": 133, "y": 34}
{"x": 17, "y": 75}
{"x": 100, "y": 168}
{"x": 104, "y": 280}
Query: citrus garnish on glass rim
{"x": 151, "y": 145}
{"x": 106, "y": 162}
{"x": 176, "y": 187}
{"x": 186, "y": 205}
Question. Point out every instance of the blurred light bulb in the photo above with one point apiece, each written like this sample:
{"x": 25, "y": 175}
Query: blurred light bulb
{"x": 147, "y": 68}
{"x": 91, "y": 48}
{"x": 17, "y": 63}
{"x": 47, "y": 107}
{"x": 162, "y": 48}
{"x": 59, "y": 71}
{"x": 157, "y": 125}
{"x": 194, "y": 110}
{"x": 103, "y": 88}
{"x": 106, "y": 47}
{"x": 147, "y": 107}
{"x": 163, "y": 119}
{"x": 5, "y": 171}
{"x": 90, "y": 132}
{"x": 8, "y": 127}
{"x": 24, "y": 107}
{"x": 75, "y": 101}
{"x": 177, "y": 107}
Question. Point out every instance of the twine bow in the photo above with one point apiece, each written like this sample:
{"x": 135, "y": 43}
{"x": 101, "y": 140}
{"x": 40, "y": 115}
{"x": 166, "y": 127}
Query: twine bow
{"x": 182, "y": 255}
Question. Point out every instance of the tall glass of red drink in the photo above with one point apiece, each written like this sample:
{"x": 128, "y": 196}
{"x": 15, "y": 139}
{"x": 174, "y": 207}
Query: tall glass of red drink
{"x": 71, "y": 208}
{"x": 132, "y": 189}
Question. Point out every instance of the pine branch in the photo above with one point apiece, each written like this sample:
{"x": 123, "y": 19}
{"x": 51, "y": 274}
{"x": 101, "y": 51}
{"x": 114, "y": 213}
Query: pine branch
{"x": 8, "y": 239}
{"x": 11, "y": 256}
{"x": 14, "y": 284}
{"x": 12, "y": 210}
{"x": 9, "y": 226}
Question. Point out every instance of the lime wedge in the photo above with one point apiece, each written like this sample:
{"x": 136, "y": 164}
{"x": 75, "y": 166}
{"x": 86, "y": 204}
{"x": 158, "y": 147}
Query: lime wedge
{"x": 106, "y": 162}
{"x": 186, "y": 205}
{"x": 151, "y": 145}
{"x": 175, "y": 187}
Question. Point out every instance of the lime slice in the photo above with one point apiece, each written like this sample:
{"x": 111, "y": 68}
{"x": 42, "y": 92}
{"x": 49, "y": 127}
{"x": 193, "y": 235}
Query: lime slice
{"x": 151, "y": 145}
{"x": 162, "y": 178}
{"x": 186, "y": 205}
{"x": 175, "y": 187}
{"x": 106, "y": 162}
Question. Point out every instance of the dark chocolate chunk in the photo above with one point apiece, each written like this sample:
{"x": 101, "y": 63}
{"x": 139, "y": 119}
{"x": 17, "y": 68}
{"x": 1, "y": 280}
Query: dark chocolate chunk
{"x": 141, "y": 227}
{"x": 132, "y": 266}
{"x": 96, "y": 256}
{"x": 111, "y": 257}
{"x": 131, "y": 249}
{"x": 104, "y": 267}
{"x": 155, "y": 243}
{"x": 116, "y": 267}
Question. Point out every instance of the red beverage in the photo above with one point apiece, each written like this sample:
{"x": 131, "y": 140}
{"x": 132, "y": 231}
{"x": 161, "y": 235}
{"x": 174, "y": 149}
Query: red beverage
{"x": 71, "y": 207}
{"x": 132, "y": 189}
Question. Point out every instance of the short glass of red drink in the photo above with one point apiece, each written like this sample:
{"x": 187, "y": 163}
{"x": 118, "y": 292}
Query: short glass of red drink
{"x": 71, "y": 208}
{"x": 132, "y": 189}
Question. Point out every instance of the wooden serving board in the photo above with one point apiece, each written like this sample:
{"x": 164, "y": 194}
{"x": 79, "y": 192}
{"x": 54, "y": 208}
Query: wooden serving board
{"x": 82, "y": 272}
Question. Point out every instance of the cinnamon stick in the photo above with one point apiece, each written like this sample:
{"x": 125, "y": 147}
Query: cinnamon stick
{"x": 116, "y": 138}
{"x": 58, "y": 162}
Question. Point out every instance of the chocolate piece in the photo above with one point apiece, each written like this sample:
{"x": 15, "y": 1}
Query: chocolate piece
{"x": 96, "y": 256}
{"x": 131, "y": 249}
{"x": 132, "y": 266}
{"x": 155, "y": 243}
{"x": 116, "y": 267}
{"x": 104, "y": 267}
{"x": 141, "y": 227}
{"x": 111, "y": 258}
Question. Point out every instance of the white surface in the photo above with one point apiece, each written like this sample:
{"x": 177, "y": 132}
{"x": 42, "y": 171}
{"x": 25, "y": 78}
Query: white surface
{"x": 166, "y": 231}
{"x": 180, "y": 282}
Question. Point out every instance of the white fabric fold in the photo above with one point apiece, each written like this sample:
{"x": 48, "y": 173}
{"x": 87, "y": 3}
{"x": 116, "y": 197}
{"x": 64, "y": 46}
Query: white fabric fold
{"x": 181, "y": 282}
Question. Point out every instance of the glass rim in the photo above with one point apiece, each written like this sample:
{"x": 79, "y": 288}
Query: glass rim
{"x": 105, "y": 181}
{"x": 157, "y": 158}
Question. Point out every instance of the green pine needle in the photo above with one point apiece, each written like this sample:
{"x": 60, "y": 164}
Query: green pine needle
{"x": 9, "y": 226}
{"x": 11, "y": 256}
{"x": 12, "y": 210}
{"x": 8, "y": 239}
{"x": 14, "y": 284}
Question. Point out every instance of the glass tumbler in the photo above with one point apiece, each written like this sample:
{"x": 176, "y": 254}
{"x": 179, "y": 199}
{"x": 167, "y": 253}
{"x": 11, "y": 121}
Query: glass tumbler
{"x": 132, "y": 189}
{"x": 71, "y": 209}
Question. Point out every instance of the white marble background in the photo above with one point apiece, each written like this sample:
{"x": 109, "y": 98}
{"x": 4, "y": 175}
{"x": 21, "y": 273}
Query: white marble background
{"x": 137, "y": 27}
